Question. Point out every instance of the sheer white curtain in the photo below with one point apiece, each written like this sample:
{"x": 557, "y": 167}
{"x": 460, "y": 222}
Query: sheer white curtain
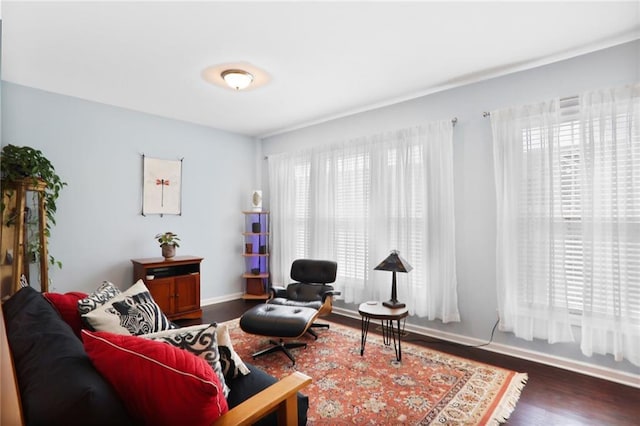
{"x": 567, "y": 175}
{"x": 355, "y": 201}
{"x": 611, "y": 211}
{"x": 288, "y": 182}
{"x": 531, "y": 230}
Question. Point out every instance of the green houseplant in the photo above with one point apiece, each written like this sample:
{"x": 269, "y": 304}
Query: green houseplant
{"x": 25, "y": 164}
{"x": 168, "y": 242}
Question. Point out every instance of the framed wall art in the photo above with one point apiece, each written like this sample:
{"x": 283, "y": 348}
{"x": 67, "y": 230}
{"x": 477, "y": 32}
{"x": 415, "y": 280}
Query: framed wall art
{"x": 161, "y": 186}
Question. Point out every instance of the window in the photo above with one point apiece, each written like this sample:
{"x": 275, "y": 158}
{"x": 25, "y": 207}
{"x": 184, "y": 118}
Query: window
{"x": 351, "y": 213}
{"x": 301, "y": 208}
{"x": 568, "y": 203}
{"x": 561, "y": 208}
{"x": 553, "y": 203}
{"x": 356, "y": 201}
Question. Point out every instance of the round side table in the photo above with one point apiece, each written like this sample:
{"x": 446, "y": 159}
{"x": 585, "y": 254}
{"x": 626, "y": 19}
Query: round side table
{"x": 387, "y": 316}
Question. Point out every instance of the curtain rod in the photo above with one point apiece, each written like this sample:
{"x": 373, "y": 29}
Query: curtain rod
{"x": 454, "y": 121}
{"x": 565, "y": 100}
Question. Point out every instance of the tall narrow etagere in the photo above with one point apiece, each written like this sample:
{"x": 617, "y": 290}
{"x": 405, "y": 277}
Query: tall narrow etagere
{"x": 256, "y": 254}
{"x": 15, "y": 244}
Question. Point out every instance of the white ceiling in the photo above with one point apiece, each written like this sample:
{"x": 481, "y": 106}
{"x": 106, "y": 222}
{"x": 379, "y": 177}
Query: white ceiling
{"x": 324, "y": 59}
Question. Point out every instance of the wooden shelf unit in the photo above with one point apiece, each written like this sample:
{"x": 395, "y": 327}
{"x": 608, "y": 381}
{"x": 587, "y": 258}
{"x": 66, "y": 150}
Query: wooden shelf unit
{"x": 256, "y": 255}
{"x": 175, "y": 285}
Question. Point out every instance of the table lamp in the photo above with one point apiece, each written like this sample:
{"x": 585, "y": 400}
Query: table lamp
{"x": 394, "y": 263}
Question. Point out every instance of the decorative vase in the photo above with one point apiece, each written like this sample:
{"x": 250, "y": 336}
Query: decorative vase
{"x": 168, "y": 251}
{"x": 256, "y": 200}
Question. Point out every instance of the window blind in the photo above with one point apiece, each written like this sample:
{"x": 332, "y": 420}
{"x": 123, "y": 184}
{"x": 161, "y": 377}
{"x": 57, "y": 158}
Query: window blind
{"x": 352, "y": 192}
{"x": 301, "y": 208}
{"x": 559, "y": 160}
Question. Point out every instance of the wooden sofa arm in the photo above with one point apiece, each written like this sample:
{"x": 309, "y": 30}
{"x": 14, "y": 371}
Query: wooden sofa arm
{"x": 280, "y": 396}
{"x": 10, "y": 406}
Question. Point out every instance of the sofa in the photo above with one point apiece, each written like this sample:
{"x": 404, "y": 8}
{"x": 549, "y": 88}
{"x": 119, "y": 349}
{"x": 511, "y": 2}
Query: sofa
{"x": 56, "y": 382}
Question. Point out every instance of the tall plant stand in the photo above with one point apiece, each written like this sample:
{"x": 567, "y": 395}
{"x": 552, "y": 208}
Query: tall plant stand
{"x": 13, "y": 235}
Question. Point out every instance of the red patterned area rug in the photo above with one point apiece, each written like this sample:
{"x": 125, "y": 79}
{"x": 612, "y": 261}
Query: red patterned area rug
{"x": 426, "y": 388}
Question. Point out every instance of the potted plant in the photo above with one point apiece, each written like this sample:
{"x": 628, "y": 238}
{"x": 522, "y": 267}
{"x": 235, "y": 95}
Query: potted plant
{"x": 168, "y": 242}
{"x": 23, "y": 165}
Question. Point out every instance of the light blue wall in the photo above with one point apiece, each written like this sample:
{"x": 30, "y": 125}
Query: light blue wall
{"x": 474, "y": 188}
{"x": 97, "y": 150}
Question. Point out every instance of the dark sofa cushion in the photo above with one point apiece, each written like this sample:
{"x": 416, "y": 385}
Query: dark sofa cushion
{"x": 58, "y": 383}
{"x": 244, "y": 387}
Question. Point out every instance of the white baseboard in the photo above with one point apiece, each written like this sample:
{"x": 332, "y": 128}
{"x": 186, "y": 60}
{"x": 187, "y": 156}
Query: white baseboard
{"x": 610, "y": 374}
{"x": 225, "y": 298}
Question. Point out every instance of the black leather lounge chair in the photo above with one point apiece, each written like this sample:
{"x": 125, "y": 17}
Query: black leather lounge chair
{"x": 311, "y": 289}
{"x": 291, "y": 311}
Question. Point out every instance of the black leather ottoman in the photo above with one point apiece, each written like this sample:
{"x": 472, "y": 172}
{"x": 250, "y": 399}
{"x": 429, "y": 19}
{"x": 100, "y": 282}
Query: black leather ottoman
{"x": 278, "y": 321}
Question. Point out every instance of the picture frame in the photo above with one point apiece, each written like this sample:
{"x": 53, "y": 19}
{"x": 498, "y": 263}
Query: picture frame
{"x": 161, "y": 186}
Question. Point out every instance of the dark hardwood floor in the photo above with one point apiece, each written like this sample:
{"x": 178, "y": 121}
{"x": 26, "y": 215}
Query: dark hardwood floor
{"x": 552, "y": 396}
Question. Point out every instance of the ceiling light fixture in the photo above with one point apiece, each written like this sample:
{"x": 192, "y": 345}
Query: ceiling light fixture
{"x": 222, "y": 74}
{"x": 237, "y": 79}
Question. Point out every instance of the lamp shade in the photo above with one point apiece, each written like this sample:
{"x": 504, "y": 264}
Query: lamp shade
{"x": 394, "y": 262}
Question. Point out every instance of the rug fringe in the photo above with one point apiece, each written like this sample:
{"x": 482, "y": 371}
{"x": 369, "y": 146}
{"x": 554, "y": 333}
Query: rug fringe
{"x": 508, "y": 402}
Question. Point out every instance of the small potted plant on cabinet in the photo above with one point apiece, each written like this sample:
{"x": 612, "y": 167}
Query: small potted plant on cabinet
{"x": 168, "y": 242}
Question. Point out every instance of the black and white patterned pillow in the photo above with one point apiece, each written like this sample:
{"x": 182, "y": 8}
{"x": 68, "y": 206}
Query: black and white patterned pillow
{"x": 132, "y": 312}
{"x": 200, "y": 340}
{"x": 23, "y": 281}
{"x": 105, "y": 292}
{"x": 232, "y": 365}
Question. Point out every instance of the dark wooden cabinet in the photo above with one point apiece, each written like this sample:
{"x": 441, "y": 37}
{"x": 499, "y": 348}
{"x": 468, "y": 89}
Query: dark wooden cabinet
{"x": 174, "y": 284}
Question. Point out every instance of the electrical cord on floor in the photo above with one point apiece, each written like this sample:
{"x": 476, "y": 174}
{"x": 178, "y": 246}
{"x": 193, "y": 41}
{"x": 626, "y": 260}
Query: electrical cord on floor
{"x": 444, "y": 342}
